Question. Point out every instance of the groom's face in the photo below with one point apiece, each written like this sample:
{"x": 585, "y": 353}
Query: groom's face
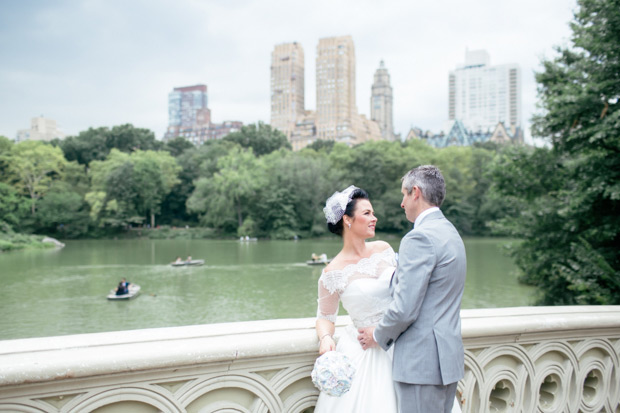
{"x": 408, "y": 203}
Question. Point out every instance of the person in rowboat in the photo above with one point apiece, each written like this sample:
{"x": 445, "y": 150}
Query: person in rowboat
{"x": 123, "y": 287}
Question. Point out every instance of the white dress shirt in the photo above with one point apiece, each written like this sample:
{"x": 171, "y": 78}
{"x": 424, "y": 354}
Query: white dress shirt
{"x": 423, "y": 214}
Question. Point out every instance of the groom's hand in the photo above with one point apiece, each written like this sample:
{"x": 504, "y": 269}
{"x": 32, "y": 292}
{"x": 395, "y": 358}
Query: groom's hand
{"x": 366, "y": 338}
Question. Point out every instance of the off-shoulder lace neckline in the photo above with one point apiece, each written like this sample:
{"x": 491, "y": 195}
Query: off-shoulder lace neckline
{"x": 361, "y": 261}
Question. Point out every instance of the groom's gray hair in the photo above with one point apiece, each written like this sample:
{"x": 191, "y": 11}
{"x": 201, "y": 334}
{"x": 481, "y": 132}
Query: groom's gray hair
{"x": 430, "y": 181}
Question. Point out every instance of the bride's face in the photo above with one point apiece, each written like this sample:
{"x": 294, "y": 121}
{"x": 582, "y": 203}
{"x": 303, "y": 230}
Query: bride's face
{"x": 364, "y": 219}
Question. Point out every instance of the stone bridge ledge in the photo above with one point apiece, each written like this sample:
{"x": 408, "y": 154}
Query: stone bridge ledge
{"x": 524, "y": 359}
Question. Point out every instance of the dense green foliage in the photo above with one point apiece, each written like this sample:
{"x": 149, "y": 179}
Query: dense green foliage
{"x": 127, "y": 187}
{"x": 567, "y": 199}
{"x": 34, "y": 165}
{"x": 249, "y": 183}
{"x": 261, "y": 138}
{"x": 96, "y": 144}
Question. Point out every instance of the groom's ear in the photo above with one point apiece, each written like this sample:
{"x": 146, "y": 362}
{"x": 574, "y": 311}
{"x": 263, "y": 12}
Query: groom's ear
{"x": 415, "y": 191}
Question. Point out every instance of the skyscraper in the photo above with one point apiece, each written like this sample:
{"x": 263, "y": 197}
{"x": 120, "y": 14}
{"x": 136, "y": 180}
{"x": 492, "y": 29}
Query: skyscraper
{"x": 381, "y": 102}
{"x": 335, "y": 89}
{"x": 287, "y": 86}
{"x": 481, "y": 95}
{"x": 190, "y": 118}
{"x": 336, "y": 109}
{"x": 188, "y": 113}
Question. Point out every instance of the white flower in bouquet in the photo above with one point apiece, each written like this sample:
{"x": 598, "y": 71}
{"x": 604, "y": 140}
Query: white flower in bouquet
{"x": 333, "y": 373}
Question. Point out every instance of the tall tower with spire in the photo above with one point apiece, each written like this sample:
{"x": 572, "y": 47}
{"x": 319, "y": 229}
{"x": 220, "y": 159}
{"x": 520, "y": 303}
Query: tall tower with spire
{"x": 381, "y": 103}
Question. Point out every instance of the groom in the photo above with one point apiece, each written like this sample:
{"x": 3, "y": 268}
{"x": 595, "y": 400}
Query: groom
{"x": 423, "y": 322}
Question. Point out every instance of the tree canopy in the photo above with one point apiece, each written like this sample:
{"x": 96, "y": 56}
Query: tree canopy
{"x": 95, "y": 144}
{"x": 240, "y": 189}
{"x": 134, "y": 185}
{"x": 262, "y": 138}
{"x": 569, "y": 197}
{"x": 35, "y": 164}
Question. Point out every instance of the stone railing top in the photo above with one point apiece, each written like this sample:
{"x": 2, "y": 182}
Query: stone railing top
{"x": 489, "y": 322}
{"x": 56, "y": 358}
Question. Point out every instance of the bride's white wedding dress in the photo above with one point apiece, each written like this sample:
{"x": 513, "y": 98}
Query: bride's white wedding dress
{"x": 364, "y": 291}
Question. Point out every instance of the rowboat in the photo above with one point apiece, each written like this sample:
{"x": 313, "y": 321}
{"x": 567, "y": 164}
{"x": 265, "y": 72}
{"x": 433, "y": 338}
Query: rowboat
{"x": 184, "y": 263}
{"x": 318, "y": 262}
{"x": 319, "y": 259}
{"x": 134, "y": 291}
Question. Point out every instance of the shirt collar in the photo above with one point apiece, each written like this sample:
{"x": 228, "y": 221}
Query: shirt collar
{"x": 424, "y": 213}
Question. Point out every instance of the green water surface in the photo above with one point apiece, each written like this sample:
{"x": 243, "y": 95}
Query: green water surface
{"x": 63, "y": 291}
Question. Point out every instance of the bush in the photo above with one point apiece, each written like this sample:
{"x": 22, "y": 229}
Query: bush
{"x": 6, "y": 245}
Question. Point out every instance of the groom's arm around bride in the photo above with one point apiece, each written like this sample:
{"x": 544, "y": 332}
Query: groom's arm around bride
{"x": 423, "y": 322}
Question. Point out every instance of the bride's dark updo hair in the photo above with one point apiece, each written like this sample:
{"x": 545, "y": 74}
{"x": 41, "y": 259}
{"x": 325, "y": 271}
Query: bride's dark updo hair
{"x": 338, "y": 227}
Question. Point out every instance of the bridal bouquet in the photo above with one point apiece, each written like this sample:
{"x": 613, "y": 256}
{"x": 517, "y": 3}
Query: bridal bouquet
{"x": 333, "y": 373}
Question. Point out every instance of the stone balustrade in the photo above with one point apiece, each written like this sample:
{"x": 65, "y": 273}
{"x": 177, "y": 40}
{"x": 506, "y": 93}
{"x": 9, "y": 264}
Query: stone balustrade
{"x": 526, "y": 359}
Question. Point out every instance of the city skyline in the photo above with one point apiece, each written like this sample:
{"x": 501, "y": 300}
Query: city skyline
{"x": 90, "y": 64}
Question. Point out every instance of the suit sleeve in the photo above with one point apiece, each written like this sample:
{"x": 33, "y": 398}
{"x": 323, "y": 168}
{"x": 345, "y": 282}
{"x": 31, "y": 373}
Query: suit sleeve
{"x": 416, "y": 263}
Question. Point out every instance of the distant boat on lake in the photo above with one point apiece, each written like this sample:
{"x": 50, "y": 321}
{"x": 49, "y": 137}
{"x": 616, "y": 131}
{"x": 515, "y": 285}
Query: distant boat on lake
{"x": 319, "y": 260}
{"x": 185, "y": 263}
{"x": 310, "y": 262}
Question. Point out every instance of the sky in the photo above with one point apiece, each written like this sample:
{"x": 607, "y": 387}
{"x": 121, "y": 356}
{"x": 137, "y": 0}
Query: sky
{"x": 93, "y": 63}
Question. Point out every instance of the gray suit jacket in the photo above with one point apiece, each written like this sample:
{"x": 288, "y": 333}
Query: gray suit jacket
{"x": 423, "y": 322}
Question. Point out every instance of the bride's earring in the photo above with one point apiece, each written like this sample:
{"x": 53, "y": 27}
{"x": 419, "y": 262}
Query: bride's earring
{"x": 349, "y": 225}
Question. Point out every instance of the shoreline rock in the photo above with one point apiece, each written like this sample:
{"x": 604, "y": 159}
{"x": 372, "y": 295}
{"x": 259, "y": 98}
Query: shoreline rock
{"x": 54, "y": 241}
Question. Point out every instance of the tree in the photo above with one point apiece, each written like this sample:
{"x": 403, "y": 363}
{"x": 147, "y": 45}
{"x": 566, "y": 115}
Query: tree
{"x": 6, "y": 146}
{"x": 292, "y": 200}
{"x": 570, "y": 219}
{"x": 134, "y": 185}
{"x": 128, "y": 138}
{"x": 322, "y": 145}
{"x": 199, "y": 162}
{"x": 177, "y": 146}
{"x": 112, "y": 194}
{"x": 262, "y": 139}
{"x": 13, "y": 206}
{"x": 63, "y": 211}
{"x": 88, "y": 146}
{"x": 35, "y": 164}
{"x": 155, "y": 174}
{"x": 484, "y": 207}
{"x": 96, "y": 144}
{"x": 229, "y": 193}
{"x": 455, "y": 163}
{"x": 76, "y": 178}
{"x": 374, "y": 166}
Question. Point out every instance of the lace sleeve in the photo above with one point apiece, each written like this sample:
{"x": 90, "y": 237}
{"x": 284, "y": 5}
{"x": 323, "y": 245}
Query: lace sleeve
{"x": 329, "y": 300}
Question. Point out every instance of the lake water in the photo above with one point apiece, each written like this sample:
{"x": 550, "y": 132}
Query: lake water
{"x": 63, "y": 291}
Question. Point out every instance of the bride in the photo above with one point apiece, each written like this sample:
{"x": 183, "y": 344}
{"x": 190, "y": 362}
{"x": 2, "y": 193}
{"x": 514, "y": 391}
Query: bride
{"x": 359, "y": 277}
